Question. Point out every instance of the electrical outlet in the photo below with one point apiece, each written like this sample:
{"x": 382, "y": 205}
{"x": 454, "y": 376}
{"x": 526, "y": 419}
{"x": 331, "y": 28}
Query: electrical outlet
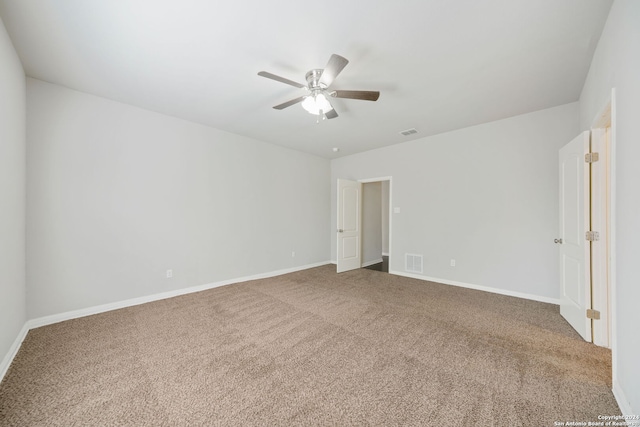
{"x": 169, "y": 274}
{"x": 293, "y": 254}
{"x": 453, "y": 263}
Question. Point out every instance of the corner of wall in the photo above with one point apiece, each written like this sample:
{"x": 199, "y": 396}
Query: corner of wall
{"x": 12, "y": 200}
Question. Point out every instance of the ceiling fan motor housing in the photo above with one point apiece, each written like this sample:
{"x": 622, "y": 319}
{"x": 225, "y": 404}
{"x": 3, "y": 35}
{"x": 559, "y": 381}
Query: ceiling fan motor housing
{"x": 313, "y": 78}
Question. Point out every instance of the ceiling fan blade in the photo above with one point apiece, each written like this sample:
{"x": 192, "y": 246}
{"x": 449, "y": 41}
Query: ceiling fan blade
{"x": 366, "y": 95}
{"x": 289, "y": 103}
{"x": 331, "y": 114}
{"x": 334, "y": 66}
{"x": 280, "y": 79}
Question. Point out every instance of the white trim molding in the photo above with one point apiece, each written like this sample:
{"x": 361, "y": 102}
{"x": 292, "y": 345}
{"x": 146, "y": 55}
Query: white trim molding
{"x": 48, "y": 320}
{"x": 621, "y": 399}
{"x": 13, "y": 351}
{"x": 382, "y": 178}
{"x": 61, "y": 317}
{"x": 532, "y": 297}
{"x": 368, "y": 263}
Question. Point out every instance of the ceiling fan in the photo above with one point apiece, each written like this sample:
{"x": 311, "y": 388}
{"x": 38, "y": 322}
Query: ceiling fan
{"x": 316, "y": 101}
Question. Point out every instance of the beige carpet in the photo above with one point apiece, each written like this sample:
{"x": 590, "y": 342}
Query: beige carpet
{"x": 312, "y": 348}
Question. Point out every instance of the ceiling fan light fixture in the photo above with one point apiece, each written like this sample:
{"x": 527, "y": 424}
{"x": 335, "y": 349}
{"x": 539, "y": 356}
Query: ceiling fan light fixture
{"x": 315, "y": 103}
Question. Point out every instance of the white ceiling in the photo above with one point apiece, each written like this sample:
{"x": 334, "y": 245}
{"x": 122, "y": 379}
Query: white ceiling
{"x": 440, "y": 65}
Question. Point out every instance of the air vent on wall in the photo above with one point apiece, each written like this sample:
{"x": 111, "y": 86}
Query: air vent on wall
{"x": 408, "y": 132}
{"x": 413, "y": 263}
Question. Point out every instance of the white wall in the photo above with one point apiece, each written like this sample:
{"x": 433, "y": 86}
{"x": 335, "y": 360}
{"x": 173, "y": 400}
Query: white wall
{"x": 616, "y": 64}
{"x": 371, "y": 223}
{"x": 116, "y": 195}
{"x": 12, "y": 196}
{"x": 486, "y": 196}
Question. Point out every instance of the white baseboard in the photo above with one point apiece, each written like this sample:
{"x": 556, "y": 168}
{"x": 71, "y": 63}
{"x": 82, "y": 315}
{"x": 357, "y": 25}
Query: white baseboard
{"x": 13, "y": 350}
{"x": 539, "y": 298}
{"x": 385, "y": 253}
{"x": 621, "y": 398}
{"x": 368, "y": 263}
{"x": 61, "y": 317}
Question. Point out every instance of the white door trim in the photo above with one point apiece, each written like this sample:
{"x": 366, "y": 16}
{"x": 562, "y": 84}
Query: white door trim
{"x": 383, "y": 178}
{"x": 600, "y": 298}
{"x": 390, "y": 179}
{"x": 606, "y": 118}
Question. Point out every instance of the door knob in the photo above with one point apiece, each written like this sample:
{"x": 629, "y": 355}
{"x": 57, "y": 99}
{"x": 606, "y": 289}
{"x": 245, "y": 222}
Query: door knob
{"x": 557, "y": 241}
{"x": 340, "y": 230}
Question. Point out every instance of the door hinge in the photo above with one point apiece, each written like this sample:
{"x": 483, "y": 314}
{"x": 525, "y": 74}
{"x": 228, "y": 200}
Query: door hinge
{"x": 593, "y": 314}
{"x": 591, "y": 157}
{"x": 592, "y": 236}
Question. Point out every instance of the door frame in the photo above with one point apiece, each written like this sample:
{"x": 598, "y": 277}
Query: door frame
{"x": 381, "y": 179}
{"x": 603, "y": 218}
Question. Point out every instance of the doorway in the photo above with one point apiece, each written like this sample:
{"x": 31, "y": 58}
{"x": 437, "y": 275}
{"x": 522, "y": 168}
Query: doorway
{"x": 375, "y": 225}
{"x": 586, "y": 241}
{"x": 602, "y": 205}
{"x": 364, "y": 224}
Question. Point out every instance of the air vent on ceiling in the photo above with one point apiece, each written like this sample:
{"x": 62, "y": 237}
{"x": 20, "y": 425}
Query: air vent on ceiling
{"x": 413, "y": 263}
{"x": 408, "y": 132}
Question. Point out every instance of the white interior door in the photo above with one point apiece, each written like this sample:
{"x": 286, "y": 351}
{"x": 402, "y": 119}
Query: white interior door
{"x": 349, "y": 225}
{"x": 575, "y": 285}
